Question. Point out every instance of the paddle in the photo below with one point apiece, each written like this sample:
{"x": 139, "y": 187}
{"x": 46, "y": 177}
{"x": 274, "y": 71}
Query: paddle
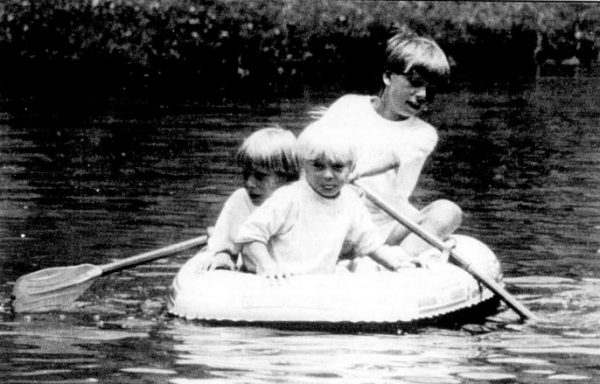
{"x": 460, "y": 260}
{"x": 57, "y": 288}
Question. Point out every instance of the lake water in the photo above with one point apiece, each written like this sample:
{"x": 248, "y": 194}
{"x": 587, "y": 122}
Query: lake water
{"x": 522, "y": 160}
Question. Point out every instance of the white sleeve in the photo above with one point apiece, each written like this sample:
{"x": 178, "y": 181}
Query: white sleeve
{"x": 235, "y": 211}
{"x": 363, "y": 233}
{"x": 268, "y": 220}
{"x": 428, "y": 139}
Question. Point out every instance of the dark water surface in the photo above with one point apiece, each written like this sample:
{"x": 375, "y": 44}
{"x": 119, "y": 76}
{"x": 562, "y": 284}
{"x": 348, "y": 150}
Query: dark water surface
{"x": 523, "y": 162}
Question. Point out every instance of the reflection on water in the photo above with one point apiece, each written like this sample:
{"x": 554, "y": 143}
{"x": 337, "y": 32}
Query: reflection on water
{"x": 547, "y": 352}
{"x": 522, "y": 161}
{"x": 53, "y": 349}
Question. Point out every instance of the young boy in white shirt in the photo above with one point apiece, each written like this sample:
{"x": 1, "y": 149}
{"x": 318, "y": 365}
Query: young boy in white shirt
{"x": 268, "y": 160}
{"x": 303, "y": 226}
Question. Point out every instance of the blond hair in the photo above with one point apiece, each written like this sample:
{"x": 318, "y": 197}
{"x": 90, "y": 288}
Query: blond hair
{"x": 406, "y": 53}
{"x": 271, "y": 148}
{"x": 331, "y": 142}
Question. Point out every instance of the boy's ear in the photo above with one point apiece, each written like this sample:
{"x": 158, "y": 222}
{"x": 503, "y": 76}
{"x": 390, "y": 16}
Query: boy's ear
{"x": 387, "y": 78}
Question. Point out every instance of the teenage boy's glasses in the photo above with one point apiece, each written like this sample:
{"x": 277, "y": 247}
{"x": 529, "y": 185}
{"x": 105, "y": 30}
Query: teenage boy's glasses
{"x": 416, "y": 80}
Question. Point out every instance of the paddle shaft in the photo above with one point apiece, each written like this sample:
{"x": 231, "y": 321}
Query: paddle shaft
{"x": 152, "y": 255}
{"x": 434, "y": 241}
{"x": 56, "y": 288}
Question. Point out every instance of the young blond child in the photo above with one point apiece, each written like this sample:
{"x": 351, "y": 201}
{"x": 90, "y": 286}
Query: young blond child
{"x": 268, "y": 160}
{"x": 302, "y": 227}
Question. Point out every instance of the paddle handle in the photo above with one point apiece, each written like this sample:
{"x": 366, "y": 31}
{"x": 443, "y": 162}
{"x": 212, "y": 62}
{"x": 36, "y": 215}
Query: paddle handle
{"x": 434, "y": 241}
{"x": 153, "y": 255}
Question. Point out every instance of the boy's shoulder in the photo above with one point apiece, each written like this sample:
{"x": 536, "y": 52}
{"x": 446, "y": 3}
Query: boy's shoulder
{"x": 238, "y": 198}
{"x": 348, "y": 110}
{"x": 239, "y": 194}
{"x": 351, "y": 100}
{"x": 417, "y": 121}
{"x": 285, "y": 192}
{"x": 424, "y": 129}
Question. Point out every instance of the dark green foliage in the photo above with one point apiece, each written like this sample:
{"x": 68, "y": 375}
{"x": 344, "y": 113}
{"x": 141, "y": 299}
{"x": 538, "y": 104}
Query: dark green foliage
{"x": 181, "y": 49}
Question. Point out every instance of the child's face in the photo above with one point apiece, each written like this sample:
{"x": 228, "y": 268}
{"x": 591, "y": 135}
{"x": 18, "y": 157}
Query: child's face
{"x": 406, "y": 94}
{"x": 326, "y": 177}
{"x": 260, "y": 183}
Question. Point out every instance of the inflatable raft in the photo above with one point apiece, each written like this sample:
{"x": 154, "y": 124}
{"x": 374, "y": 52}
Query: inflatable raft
{"x": 408, "y": 296}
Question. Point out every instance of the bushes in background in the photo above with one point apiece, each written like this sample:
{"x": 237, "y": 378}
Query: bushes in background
{"x": 181, "y": 49}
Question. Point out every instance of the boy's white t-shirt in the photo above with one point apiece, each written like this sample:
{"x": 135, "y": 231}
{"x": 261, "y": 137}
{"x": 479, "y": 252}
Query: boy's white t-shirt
{"x": 235, "y": 211}
{"x": 380, "y": 142}
{"x": 305, "y": 231}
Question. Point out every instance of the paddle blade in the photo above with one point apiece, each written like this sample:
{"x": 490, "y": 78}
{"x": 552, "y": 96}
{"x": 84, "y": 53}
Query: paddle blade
{"x": 53, "y": 288}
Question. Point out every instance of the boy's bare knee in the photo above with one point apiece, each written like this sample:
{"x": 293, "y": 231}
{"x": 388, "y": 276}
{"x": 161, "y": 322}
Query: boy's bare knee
{"x": 451, "y": 210}
{"x": 446, "y": 215}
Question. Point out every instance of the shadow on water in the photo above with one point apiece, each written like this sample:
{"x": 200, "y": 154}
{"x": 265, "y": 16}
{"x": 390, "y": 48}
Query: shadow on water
{"x": 522, "y": 161}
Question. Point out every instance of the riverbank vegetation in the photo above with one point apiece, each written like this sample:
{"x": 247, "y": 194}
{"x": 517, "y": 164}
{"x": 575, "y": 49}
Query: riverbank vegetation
{"x": 182, "y": 49}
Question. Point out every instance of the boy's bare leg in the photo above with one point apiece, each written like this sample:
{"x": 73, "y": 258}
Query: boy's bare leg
{"x": 440, "y": 218}
{"x": 400, "y": 232}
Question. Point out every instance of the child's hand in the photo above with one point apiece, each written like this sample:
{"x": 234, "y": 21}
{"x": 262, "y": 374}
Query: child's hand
{"x": 393, "y": 257}
{"x": 359, "y": 173}
{"x": 275, "y": 272}
{"x": 208, "y": 261}
{"x": 421, "y": 261}
{"x": 222, "y": 260}
{"x": 406, "y": 264}
{"x": 353, "y": 176}
{"x": 433, "y": 257}
{"x": 202, "y": 260}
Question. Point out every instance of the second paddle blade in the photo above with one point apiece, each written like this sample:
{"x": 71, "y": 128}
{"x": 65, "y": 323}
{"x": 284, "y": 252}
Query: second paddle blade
{"x": 53, "y": 288}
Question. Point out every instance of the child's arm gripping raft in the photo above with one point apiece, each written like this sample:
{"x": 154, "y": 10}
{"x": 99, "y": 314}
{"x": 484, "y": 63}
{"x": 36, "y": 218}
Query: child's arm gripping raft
{"x": 392, "y": 257}
{"x": 263, "y": 263}
{"x": 209, "y": 260}
{"x": 221, "y": 251}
